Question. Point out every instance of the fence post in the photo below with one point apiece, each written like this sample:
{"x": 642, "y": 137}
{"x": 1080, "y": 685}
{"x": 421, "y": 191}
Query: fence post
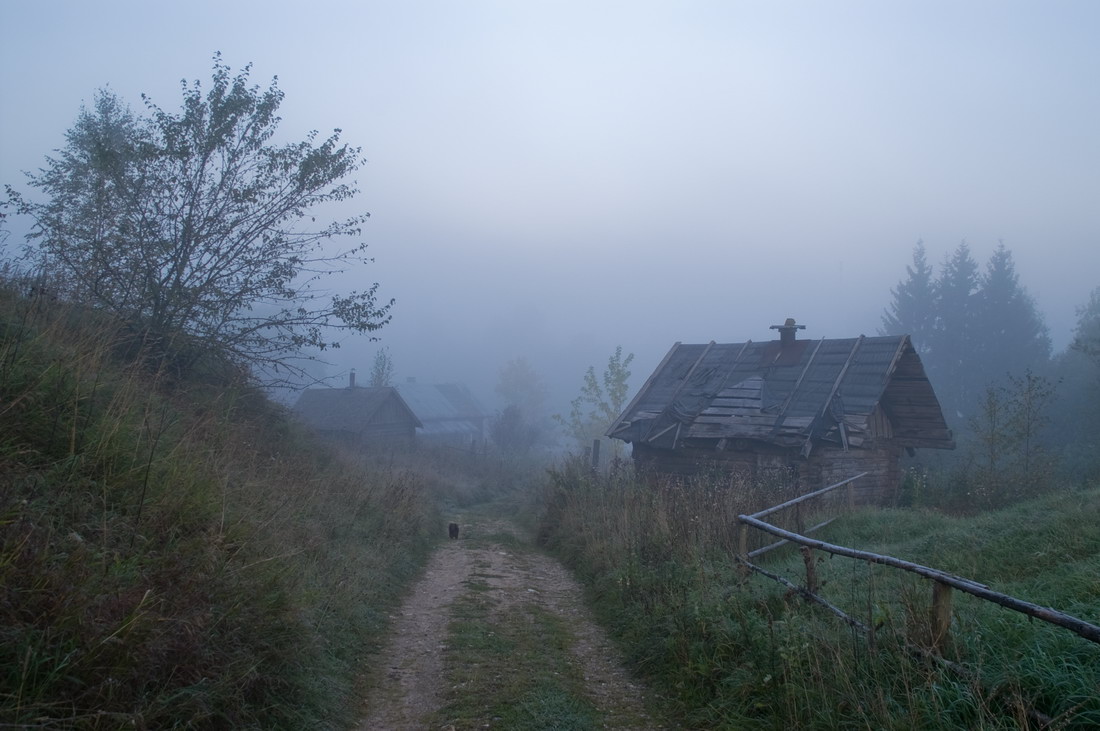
{"x": 595, "y": 454}
{"x": 743, "y": 545}
{"x": 851, "y": 496}
{"x": 811, "y": 569}
{"x": 941, "y": 616}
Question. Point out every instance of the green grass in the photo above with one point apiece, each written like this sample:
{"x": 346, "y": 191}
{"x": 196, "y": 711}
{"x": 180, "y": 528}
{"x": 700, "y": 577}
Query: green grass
{"x": 174, "y": 551}
{"x": 511, "y": 667}
{"x": 736, "y": 652}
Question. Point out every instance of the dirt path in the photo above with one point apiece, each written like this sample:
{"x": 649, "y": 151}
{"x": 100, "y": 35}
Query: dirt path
{"x": 417, "y": 676}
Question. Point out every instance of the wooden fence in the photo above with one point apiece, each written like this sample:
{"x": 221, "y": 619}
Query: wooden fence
{"x": 943, "y": 583}
{"x": 941, "y": 588}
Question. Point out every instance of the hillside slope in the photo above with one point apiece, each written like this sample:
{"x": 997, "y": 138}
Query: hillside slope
{"x": 173, "y": 550}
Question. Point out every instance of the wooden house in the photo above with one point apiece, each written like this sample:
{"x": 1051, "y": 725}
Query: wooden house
{"x": 815, "y": 411}
{"x": 359, "y": 416}
{"x": 448, "y": 413}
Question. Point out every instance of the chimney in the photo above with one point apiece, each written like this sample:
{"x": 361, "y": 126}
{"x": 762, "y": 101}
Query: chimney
{"x": 786, "y": 333}
{"x": 351, "y": 379}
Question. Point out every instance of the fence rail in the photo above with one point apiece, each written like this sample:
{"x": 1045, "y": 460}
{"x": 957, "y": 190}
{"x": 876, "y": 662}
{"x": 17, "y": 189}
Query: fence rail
{"x": 944, "y": 581}
{"x": 1074, "y": 624}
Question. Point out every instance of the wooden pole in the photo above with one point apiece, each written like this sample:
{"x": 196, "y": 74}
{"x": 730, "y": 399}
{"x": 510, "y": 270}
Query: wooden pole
{"x": 941, "y": 616}
{"x": 1041, "y": 719}
{"x": 743, "y": 546}
{"x": 811, "y": 568}
{"x": 595, "y": 454}
{"x": 803, "y": 498}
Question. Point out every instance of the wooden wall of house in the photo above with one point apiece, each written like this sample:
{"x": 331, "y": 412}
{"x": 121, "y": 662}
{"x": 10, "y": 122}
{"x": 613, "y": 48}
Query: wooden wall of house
{"x": 883, "y": 481}
{"x": 766, "y": 462}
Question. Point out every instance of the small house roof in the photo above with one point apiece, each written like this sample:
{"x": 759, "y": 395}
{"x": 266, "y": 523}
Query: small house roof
{"x": 444, "y": 408}
{"x": 347, "y": 409}
{"x": 788, "y": 393}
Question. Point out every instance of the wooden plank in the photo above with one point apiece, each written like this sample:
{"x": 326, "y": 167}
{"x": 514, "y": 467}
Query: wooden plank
{"x": 798, "y": 382}
{"x": 750, "y": 403}
{"x": 772, "y": 546}
{"x": 726, "y": 417}
{"x": 802, "y": 498}
{"x": 724, "y": 430}
{"x": 644, "y": 389}
{"x": 680, "y": 387}
{"x": 941, "y": 616}
{"x": 664, "y": 431}
{"x": 808, "y": 446}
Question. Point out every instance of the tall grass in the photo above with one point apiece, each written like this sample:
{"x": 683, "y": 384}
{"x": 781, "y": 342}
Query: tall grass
{"x": 174, "y": 551}
{"x": 741, "y": 652}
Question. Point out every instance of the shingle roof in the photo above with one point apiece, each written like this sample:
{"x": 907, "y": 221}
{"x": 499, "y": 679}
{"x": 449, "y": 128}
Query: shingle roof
{"x": 786, "y": 395}
{"x": 346, "y": 409}
{"x": 446, "y": 408}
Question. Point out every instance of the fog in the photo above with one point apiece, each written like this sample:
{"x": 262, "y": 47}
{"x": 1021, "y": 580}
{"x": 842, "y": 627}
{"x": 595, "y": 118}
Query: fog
{"x": 552, "y": 179}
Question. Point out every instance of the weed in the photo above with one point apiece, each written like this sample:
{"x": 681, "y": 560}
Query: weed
{"x": 173, "y": 550}
{"x": 732, "y": 652}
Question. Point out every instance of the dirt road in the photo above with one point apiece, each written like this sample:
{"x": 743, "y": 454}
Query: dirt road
{"x": 496, "y": 635}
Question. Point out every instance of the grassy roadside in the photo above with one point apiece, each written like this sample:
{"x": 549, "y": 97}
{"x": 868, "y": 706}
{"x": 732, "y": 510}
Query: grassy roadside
{"x": 510, "y": 668}
{"x": 174, "y": 551}
{"x": 511, "y": 663}
{"x": 736, "y": 653}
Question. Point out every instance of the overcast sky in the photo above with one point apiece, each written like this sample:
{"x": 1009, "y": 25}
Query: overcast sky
{"x": 553, "y": 179}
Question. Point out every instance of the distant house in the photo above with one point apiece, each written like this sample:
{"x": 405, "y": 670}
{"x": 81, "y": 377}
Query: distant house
{"x": 448, "y": 412}
{"x": 816, "y": 411}
{"x": 359, "y": 416}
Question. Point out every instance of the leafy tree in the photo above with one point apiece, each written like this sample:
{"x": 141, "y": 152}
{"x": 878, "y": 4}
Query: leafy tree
{"x": 913, "y": 309}
{"x": 521, "y": 424}
{"x": 521, "y": 386}
{"x": 1012, "y": 461}
{"x": 600, "y": 402}
{"x": 513, "y": 432}
{"x": 194, "y": 228}
{"x": 381, "y": 372}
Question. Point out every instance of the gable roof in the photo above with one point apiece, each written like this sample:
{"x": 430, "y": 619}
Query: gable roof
{"x": 445, "y": 408}
{"x": 348, "y": 409}
{"x": 790, "y": 394}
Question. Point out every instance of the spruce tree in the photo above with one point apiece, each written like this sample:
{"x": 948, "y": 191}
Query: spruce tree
{"x": 913, "y": 309}
{"x": 1009, "y": 334}
{"x": 950, "y": 360}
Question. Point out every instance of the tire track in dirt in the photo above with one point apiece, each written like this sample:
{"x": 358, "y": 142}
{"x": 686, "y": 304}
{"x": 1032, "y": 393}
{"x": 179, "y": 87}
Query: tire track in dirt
{"x": 411, "y": 684}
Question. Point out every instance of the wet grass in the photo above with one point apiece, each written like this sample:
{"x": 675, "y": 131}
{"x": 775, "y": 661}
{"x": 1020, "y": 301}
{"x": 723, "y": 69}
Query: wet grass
{"x": 742, "y": 652}
{"x": 510, "y": 667}
{"x": 512, "y": 664}
{"x": 174, "y": 552}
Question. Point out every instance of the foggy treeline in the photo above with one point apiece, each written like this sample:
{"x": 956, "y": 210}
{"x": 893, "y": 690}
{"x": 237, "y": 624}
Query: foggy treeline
{"x": 987, "y": 351}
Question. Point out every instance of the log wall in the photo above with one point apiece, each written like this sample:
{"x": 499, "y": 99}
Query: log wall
{"x": 764, "y": 462}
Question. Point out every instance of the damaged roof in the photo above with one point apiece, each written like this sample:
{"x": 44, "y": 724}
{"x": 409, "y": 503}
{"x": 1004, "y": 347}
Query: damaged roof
{"x": 787, "y": 393}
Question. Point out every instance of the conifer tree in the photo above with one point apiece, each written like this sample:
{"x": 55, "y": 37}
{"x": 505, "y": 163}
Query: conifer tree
{"x": 950, "y": 361}
{"x": 913, "y": 310}
{"x": 1009, "y": 334}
